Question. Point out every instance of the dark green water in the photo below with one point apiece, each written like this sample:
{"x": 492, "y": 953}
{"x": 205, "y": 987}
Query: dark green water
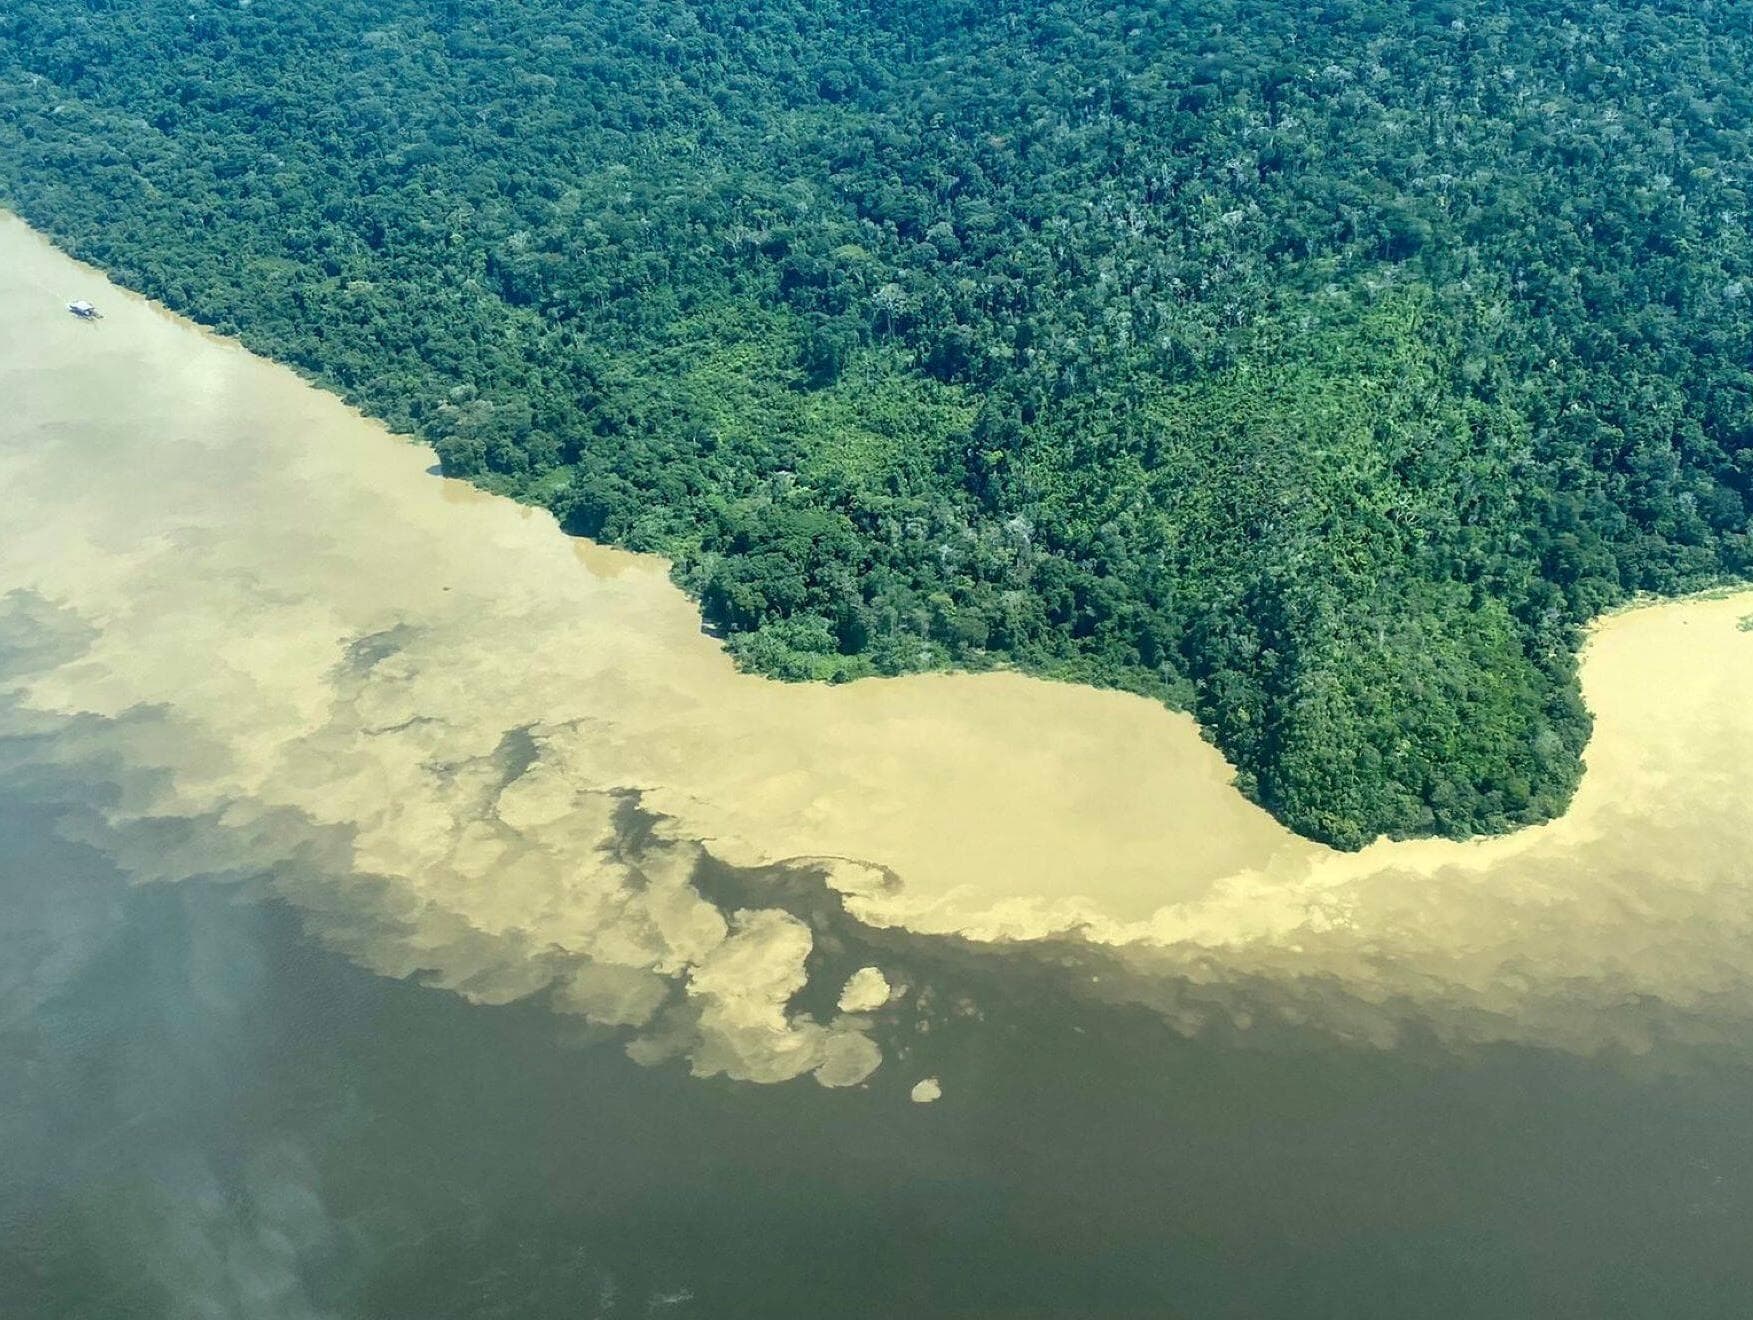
{"x": 204, "y": 1113}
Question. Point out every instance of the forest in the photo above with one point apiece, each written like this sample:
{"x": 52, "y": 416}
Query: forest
{"x": 1321, "y": 368}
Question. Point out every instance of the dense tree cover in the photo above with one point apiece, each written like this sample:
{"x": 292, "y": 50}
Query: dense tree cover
{"x": 1320, "y": 367}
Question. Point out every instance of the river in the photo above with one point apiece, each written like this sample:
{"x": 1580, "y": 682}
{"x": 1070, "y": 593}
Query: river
{"x": 418, "y": 915}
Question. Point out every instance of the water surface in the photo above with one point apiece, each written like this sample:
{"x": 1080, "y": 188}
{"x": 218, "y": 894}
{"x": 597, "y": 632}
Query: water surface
{"x": 415, "y": 914}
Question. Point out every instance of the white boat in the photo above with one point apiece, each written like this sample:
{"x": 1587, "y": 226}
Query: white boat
{"x": 84, "y": 310}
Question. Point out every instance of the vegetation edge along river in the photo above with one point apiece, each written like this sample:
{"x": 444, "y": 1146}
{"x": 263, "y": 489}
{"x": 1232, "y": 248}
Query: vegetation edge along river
{"x": 367, "y": 669}
{"x": 1318, "y": 371}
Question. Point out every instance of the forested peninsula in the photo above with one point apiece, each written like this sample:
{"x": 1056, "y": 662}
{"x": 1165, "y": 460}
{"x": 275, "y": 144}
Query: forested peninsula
{"x": 1320, "y": 368}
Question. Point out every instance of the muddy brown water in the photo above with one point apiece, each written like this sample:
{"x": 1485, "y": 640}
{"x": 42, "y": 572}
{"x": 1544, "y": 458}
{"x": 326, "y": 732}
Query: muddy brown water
{"x": 320, "y": 769}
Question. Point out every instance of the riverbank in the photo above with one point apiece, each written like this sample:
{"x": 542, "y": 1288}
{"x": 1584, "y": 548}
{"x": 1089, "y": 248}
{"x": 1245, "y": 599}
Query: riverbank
{"x": 294, "y": 634}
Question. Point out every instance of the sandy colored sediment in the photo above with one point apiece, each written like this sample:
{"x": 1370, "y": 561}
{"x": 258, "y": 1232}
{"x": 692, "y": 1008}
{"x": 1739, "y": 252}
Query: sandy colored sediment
{"x": 340, "y": 637}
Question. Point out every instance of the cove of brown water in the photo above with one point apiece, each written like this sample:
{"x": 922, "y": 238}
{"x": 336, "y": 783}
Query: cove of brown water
{"x": 329, "y": 638}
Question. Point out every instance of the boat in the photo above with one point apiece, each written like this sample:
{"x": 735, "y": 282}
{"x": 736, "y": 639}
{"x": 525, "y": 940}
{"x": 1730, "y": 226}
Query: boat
{"x": 84, "y": 311}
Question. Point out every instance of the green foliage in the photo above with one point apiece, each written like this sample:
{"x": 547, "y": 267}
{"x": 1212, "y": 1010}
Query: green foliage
{"x": 1320, "y": 370}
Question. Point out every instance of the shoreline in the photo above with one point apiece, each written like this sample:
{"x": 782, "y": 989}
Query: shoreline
{"x": 219, "y": 505}
{"x": 589, "y": 547}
